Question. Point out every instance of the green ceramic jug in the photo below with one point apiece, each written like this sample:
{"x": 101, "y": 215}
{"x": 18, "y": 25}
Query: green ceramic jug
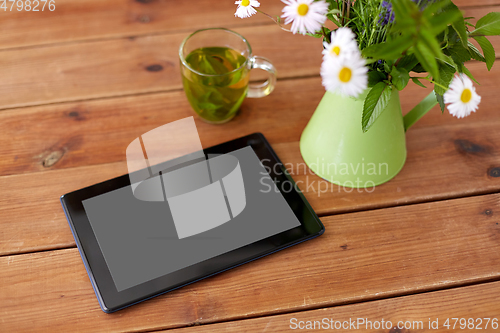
{"x": 334, "y": 146}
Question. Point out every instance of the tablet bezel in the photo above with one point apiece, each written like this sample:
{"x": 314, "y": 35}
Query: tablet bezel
{"x": 111, "y": 300}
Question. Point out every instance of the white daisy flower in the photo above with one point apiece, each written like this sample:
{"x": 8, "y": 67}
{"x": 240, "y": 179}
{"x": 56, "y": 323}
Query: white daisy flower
{"x": 246, "y": 8}
{"x": 462, "y": 98}
{"x": 346, "y": 75}
{"x": 342, "y": 42}
{"x": 306, "y": 15}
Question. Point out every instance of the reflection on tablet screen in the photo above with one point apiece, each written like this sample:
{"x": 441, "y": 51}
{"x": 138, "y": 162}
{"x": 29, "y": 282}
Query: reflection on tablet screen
{"x": 144, "y": 239}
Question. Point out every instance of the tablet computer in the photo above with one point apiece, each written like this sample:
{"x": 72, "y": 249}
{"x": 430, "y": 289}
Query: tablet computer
{"x": 134, "y": 249}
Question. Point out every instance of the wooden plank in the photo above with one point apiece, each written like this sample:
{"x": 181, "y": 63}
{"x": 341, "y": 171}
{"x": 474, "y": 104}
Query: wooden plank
{"x": 429, "y": 312}
{"x": 471, "y": 148}
{"x": 76, "y": 20}
{"x": 479, "y": 11}
{"x": 468, "y": 3}
{"x": 362, "y": 256}
{"x": 95, "y": 132}
{"x": 124, "y": 66}
{"x": 33, "y": 219}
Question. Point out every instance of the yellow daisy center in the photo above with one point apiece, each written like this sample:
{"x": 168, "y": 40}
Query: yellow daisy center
{"x": 336, "y": 50}
{"x": 466, "y": 96}
{"x": 345, "y": 75}
{"x": 245, "y": 3}
{"x": 303, "y": 9}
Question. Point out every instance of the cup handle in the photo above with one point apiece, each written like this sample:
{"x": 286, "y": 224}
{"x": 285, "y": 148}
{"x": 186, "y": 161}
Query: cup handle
{"x": 262, "y": 89}
{"x": 420, "y": 110}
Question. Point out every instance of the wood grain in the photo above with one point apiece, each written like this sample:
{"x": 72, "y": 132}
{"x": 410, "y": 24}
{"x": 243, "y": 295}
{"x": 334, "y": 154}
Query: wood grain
{"x": 468, "y": 3}
{"x": 87, "y": 63}
{"x": 417, "y": 312}
{"x": 95, "y": 132}
{"x": 55, "y": 152}
{"x": 32, "y": 219}
{"x": 362, "y": 256}
{"x": 77, "y": 20}
{"x": 121, "y": 67}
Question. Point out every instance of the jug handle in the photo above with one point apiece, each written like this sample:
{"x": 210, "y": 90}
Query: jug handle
{"x": 420, "y": 110}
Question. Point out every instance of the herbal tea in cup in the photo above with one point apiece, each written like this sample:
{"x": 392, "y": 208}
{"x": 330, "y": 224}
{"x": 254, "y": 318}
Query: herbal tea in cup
{"x": 215, "y": 67}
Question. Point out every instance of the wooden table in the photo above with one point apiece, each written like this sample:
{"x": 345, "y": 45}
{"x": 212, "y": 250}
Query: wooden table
{"x": 77, "y": 85}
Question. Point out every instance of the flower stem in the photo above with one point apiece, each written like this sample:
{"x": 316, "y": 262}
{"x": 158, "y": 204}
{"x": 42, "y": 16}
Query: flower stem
{"x": 431, "y": 81}
{"x": 274, "y": 20}
{"x": 420, "y": 110}
{"x": 325, "y": 34}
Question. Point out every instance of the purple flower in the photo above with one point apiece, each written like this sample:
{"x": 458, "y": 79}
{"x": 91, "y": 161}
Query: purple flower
{"x": 387, "y": 15}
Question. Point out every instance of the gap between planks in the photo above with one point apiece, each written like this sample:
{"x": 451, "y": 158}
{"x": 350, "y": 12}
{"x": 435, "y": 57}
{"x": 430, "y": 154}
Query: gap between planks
{"x": 400, "y": 257}
{"x": 347, "y": 307}
{"x": 125, "y": 27}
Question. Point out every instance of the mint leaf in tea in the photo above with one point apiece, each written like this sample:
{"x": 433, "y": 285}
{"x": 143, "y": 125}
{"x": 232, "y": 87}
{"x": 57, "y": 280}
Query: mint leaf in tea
{"x": 216, "y": 91}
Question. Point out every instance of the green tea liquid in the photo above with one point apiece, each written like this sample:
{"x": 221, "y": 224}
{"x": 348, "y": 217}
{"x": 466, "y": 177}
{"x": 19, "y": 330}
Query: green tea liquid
{"x": 217, "y": 95}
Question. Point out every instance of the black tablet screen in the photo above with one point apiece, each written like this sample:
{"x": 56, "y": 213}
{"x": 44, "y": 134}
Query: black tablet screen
{"x": 142, "y": 240}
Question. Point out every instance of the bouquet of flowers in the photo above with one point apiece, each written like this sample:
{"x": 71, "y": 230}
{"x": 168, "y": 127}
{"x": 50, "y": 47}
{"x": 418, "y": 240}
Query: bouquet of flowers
{"x": 383, "y": 44}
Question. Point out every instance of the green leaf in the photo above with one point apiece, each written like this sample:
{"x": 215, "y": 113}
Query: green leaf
{"x": 375, "y": 103}
{"x": 314, "y": 35}
{"x": 463, "y": 69}
{"x": 458, "y": 53}
{"x": 408, "y": 62}
{"x": 405, "y": 12}
{"x": 208, "y": 107}
{"x": 440, "y": 100}
{"x": 334, "y": 13}
{"x": 334, "y": 19}
{"x": 333, "y": 5}
{"x": 427, "y": 59}
{"x": 403, "y": 8}
{"x": 375, "y": 77}
{"x": 417, "y": 82}
{"x": 444, "y": 37}
{"x": 389, "y": 50}
{"x": 461, "y": 29}
{"x": 400, "y": 78}
{"x": 469, "y": 74}
{"x": 450, "y": 62}
{"x": 436, "y": 6}
{"x": 418, "y": 69}
{"x": 334, "y": 10}
{"x": 488, "y": 25}
{"x": 212, "y": 64}
{"x": 404, "y": 24}
{"x": 431, "y": 42}
{"x": 488, "y": 50}
{"x": 459, "y": 26}
{"x": 387, "y": 67}
{"x": 475, "y": 54}
{"x": 439, "y": 22}
{"x": 446, "y": 74}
